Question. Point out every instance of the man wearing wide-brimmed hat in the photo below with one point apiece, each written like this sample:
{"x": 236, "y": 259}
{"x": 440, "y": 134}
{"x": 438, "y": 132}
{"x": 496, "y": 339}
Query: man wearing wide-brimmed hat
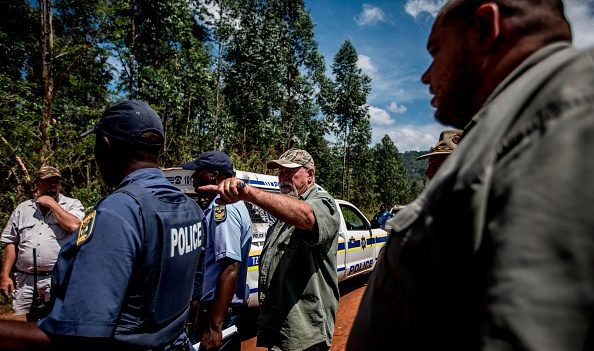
{"x": 448, "y": 140}
{"x": 45, "y": 224}
{"x": 298, "y": 286}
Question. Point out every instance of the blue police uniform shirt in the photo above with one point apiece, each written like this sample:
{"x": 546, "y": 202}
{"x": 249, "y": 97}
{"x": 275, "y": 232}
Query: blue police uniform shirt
{"x": 383, "y": 218}
{"x": 103, "y": 274}
{"x": 228, "y": 235}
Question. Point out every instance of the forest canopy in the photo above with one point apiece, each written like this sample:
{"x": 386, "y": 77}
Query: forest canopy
{"x": 246, "y": 78}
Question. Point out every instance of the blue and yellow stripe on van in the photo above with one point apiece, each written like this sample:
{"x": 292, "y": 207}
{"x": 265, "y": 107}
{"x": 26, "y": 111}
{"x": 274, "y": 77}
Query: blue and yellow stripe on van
{"x": 378, "y": 240}
{"x": 254, "y": 259}
{"x": 355, "y": 245}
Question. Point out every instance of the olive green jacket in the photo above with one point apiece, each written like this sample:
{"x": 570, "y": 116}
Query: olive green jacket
{"x": 298, "y": 286}
{"x": 497, "y": 253}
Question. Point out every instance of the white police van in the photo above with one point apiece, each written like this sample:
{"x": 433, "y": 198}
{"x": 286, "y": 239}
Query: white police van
{"x": 359, "y": 245}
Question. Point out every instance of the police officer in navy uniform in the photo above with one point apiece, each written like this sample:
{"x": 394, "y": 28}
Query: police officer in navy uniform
{"x": 125, "y": 280}
{"x": 224, "y": 290}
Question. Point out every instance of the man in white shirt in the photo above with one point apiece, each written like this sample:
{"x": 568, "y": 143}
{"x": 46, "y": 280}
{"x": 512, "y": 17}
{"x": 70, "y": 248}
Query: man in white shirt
{"x": 45, "y": 224}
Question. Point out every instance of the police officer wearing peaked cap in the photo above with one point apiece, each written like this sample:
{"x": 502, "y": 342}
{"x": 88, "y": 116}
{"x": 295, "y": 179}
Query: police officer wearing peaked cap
{"x": 227, "y": 245}
{"x": 125, "y": 281}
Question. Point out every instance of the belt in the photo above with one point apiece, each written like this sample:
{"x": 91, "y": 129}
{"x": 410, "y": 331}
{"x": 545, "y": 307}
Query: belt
{"x": 39, "y": 274}
{"x": 232, "y": 309}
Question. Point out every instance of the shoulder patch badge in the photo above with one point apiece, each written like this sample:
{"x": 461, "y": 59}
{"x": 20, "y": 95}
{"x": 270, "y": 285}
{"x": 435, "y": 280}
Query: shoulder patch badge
{"x": 220, "y": 214}
{"x": 86, "y": 229}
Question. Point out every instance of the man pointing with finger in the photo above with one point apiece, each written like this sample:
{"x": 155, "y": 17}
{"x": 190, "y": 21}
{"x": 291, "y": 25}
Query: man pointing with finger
{"x": 298, "y": 287}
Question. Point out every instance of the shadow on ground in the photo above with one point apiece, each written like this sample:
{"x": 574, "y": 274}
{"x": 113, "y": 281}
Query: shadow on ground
{"x": 249, "y": 320}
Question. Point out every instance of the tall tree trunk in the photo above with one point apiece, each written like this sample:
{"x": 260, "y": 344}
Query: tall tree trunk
{"x": 345, "y": 174}
{"x": 217, "y": 94}
{"x": 288, "y": 114}
{"x": 47, "y": 81}
{"x": 131, "y": 83}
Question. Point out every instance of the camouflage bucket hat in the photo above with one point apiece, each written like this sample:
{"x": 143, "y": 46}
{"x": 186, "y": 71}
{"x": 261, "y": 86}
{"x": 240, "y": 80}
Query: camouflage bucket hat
{"x": 292, "y": 159}
{"x": 47, "y": 172}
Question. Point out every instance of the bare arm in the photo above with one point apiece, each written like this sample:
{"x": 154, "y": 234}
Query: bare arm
{"x": 287, "y": 209}
{"x": 15, "y": 335}
{"x": 193, "y": 316}
{"x": 6, "y": 283}
{"x": 67, "y": 220}
{"x": 213, "y": 337}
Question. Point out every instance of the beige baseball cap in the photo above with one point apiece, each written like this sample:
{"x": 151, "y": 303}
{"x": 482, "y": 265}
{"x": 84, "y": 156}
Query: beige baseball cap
{"x": 293, "y": 158}
{"x": 448, "y": 140}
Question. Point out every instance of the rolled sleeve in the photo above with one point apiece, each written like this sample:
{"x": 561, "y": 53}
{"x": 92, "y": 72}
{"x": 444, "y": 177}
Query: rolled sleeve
{"x": 9, "y": 234}
{"x": 327, "y": 220}
{"x": 76, "y": 209}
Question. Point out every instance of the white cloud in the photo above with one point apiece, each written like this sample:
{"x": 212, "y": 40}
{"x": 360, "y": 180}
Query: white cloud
{"x": 212, "y": 14}
{"x": 379, "y": 117}
{"x": 417, "y": 7}
{"x": 394, "y": 107}
{"x": 213, "y": 10}
{"x": 366, "y": 64}
{"x": 405, "y": 137}
{"x": 580, "y": 14}
{"x": 392, "y": 85}
{"x": 410, "y": 137}
{"x": 116, "y": 64}
{"x": 370, "y": 15}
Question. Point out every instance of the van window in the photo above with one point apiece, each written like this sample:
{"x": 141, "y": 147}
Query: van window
{"x": 352, "y": 219}
{"x": 258, "y": 215}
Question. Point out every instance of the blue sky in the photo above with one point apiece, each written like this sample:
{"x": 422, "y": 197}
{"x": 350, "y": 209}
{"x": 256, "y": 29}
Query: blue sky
{"x": 390, "y": 38}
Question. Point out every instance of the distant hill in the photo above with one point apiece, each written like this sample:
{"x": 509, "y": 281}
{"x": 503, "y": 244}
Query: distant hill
{"x": 416, "y": 169}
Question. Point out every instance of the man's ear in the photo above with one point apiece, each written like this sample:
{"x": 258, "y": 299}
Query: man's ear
{"x": 310, "y": 173}
{"x": 487, "y": 19}
{"x": 103, "y": 144}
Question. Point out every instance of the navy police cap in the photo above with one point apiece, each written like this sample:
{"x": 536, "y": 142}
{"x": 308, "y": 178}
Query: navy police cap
{"x": 214, "y": 160}
{"x": 126, "y": 120}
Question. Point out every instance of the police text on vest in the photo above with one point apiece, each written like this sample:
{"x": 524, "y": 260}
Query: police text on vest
{"x": 185, "y": 239}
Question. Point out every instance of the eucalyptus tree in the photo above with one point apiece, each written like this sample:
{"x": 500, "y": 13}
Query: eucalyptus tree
{"x": 346, "y": 109}
{"x": 57, "y": 70}
{"x": 53, "y": 81}
{"x": 392, "y": 183}
{"x": 70, "y": 55}
{"x": 19, "y": 103}
{"x": 161, "y": 55}
{"x": 273, "y": 76}
{"x": 220, "y": 18}
{"x": 299, "y": 68}
{"x": 249, "y": 81}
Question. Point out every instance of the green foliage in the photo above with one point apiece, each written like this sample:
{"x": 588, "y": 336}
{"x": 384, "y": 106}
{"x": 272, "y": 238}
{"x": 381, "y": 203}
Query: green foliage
{"x": 392, "y": 181}
{"x": 249, "y": 81}
{"x": 80, "y": 80}
{"x": 345, "y": 107}
{"x": 415, "y": 169}
{"x": 164, "y": 60}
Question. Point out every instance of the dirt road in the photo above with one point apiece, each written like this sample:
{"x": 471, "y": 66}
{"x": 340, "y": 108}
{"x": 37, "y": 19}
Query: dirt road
{"x": 351, "y": 292}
